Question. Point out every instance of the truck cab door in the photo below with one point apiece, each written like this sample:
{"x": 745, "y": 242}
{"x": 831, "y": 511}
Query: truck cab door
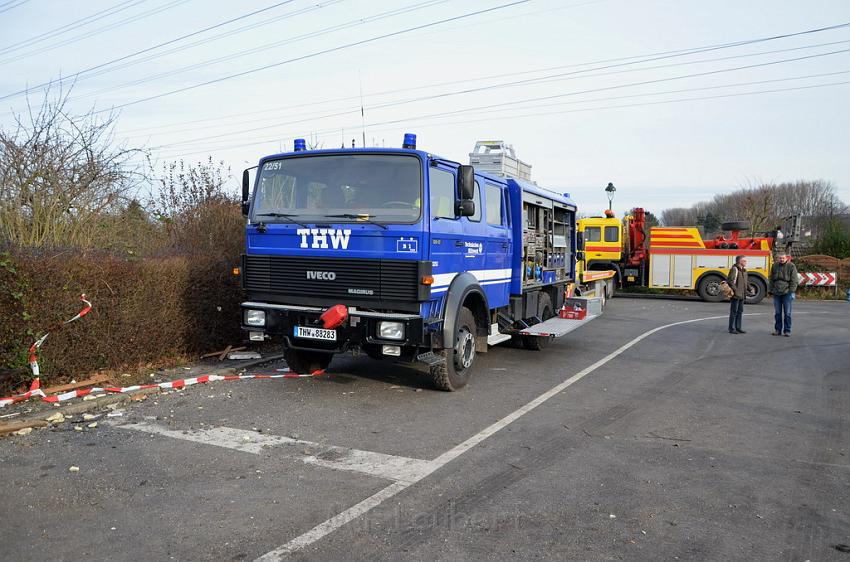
{"x": 474, "y": 247}
{"x": 499, "y": 244}
{"x": 447, "y": 236}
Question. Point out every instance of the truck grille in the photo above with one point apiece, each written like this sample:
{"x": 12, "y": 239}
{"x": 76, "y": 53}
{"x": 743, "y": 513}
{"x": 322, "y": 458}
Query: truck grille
{"x": 347, "y": 279}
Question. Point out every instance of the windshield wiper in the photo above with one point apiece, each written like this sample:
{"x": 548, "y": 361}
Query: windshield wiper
{"x": 359, "y": 218}
{"x": 286, "y": 216}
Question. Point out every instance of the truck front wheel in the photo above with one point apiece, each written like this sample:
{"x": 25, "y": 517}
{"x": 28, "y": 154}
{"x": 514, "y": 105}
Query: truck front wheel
{"x": 306, "y": 362}
{"x": 709, "y": 288}
{"x": 453, "y": 373}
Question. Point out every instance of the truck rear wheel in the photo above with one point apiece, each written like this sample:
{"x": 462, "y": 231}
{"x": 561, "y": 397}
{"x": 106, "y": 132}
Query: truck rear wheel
{"x": 544, "y": 312}
{"x": 306, "y": 362}
{"x": 756, "y": 290}
{"x": 709, "y": 288}
{"x": 453, "y": 373}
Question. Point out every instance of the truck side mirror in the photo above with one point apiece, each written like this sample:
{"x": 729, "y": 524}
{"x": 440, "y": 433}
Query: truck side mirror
{"x": 580, "y": 241}
{"x": 466, "y": 208}
{"x": 466, "y": 183}
{"x": 246, "y": 187}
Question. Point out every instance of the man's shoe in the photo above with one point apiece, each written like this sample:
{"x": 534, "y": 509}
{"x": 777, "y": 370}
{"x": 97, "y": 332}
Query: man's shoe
{"x": 777, "y": 333}
{"x": 741, "y": 332}
{"x": 733, "y": 331}
{"x": 787, "y": 335}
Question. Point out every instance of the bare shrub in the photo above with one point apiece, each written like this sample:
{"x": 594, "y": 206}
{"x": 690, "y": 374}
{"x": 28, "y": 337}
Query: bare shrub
{"x": 201, "y": 216}
{"x": 59, "y": 173}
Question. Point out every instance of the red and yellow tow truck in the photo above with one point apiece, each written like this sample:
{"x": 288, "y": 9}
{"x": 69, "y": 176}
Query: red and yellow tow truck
{"x": 674, "y": 257}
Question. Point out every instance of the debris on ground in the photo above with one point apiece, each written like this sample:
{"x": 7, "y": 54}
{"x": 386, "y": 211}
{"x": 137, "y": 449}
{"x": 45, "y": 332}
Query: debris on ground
{"x": 14, "y": 427}
{"x": 223, "y": 353}
{"x": 24, "y": 431}
{"x": 58, "y": 417}
{"x": 73, "y": 469}
{"x": 73, "y": 385}
{"x": 241, "y": 356}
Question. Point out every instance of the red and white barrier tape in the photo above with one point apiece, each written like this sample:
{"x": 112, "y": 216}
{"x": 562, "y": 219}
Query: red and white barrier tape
{"x": 35, "y": 346}
{"x": 178, "y": 384}
{"x": 34, "y": 390}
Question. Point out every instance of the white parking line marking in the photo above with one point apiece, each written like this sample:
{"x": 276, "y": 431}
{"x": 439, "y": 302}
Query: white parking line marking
{"x": 391, "y": 467}
{"x": 337, "y": 521}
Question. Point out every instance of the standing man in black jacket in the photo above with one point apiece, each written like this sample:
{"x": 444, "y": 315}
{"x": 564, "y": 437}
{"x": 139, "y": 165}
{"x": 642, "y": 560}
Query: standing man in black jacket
{"x": 737, "y": 279}
{"x": 783, "y": 286}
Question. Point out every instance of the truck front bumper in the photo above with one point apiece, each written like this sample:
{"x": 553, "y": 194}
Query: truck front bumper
{"x": 360, "y": 328}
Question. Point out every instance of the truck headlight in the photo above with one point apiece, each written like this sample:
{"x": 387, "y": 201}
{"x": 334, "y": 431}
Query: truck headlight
{"x": 391, "y": 330}
{"x": 255, "y": 317}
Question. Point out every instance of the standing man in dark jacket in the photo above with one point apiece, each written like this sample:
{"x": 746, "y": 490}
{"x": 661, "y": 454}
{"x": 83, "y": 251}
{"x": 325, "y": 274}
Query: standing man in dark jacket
{"x": 783, "y": 286}
{"x": 737, "y": 279}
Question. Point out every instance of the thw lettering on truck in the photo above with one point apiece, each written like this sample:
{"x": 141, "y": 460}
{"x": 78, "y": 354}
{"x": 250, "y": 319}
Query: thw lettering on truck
{"x": 319, "y": 237}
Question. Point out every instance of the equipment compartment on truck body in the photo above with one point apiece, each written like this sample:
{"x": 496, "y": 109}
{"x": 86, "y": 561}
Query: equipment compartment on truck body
{"x": 399, "y": 253}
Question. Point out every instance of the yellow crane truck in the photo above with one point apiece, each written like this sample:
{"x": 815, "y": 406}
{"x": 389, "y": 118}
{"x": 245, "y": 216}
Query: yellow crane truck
{"x": 674, "y": 257}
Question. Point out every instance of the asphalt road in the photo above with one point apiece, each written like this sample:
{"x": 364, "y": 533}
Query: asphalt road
{"x": 649, "y": 434}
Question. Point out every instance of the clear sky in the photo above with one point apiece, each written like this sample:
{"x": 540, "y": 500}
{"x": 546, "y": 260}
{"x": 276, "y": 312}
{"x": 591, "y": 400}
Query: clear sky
{"x": 587, "y": 91}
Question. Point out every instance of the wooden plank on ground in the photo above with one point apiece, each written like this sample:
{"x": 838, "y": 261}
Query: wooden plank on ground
{"x": 94, "y": 381}
{"x": 11, "y": 427}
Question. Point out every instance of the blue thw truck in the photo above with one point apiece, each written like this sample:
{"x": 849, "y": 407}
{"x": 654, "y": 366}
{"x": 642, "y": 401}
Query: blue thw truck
{"x": 398, "y": 253}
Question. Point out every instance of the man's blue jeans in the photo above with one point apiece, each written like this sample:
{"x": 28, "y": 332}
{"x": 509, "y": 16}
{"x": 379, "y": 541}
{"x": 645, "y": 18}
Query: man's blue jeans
{"x": 782, "y": 313}
{"x": 736, "y": 312}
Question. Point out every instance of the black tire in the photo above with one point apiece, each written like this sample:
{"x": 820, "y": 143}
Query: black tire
{"x": 709, "y": 288}
{"x": 735, "y": 225}
{"x": 454, "y": 372}
{"x": 610, "y": 289}
{"x": 544, "y": 312}
{"x": 756, "y": 290}
{"x": 306, "y": 362}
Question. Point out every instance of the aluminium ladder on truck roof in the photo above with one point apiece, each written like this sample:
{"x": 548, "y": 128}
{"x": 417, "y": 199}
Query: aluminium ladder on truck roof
{"x": 498, "y": 157}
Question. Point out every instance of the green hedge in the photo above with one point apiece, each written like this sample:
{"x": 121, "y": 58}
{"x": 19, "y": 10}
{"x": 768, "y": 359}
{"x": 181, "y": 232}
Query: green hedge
{"x": 151, "y": 310}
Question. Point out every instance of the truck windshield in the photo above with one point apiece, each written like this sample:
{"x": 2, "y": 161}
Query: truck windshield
{"x": 345, "y": 187}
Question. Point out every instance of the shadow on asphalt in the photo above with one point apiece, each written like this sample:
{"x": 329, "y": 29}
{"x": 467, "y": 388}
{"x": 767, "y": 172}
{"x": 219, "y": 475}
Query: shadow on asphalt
{"x": 349, "y": 369}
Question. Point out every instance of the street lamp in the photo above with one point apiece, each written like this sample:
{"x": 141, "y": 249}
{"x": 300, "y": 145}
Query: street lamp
{"x": 609, "y": 191}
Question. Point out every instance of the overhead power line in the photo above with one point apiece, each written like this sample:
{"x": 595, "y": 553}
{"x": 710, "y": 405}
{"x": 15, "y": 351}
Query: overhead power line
{"x": 375, "y": 127}
{"x": 70, "y": 26}
{"x": 259, "y": 49}
{"x": 486, "y": 109}
{"x": 654, "y": 81}
{"x": 630, "y": 60}
{"x": 12, "y": 4}
{"x": 92, "y": 33}
{"x": 581, "y": 73}
{"x": 147, "y": 49}
{"x": 318, "y": 53}
{"x": 541, "y": 98}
